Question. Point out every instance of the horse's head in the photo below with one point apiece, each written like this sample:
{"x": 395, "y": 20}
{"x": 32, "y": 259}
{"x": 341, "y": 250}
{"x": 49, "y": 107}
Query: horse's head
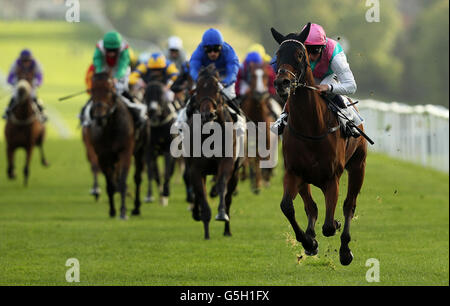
{"x": 259, "y": 79}
{"x": 208, "y": 94}
{"x": 156, "y": 101}
{"x": 292, "y": 60}
{"x": 103, "y": 96}
{"x": 23, "y": 89}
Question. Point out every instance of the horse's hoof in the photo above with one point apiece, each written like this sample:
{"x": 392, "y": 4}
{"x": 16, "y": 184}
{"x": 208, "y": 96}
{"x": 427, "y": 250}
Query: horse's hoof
{"x": 328, "y": 231}
{"x": 256, "y": 191}
{"x": 222, "y": 216}
{"x": 164, "y": 201}
{"x": 112, "y": 214}
{"x": 149, "y": 199}
{"x": 136, "y": 212}
{"x": 196, "y": 214}
{"x": 313, "y": 250}
{"x": 345, "y": 256}
{"x": 227, "y": 234}
{"x": 337, "y": 225}
{"x": 213, "y": 192}
{"x": 123, "y": 217}
{"x": 312, "y": 253}
{"x": 45, "y": 164}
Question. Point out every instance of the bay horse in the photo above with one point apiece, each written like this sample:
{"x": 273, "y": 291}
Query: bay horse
{"x": 256, "y": 106}
{"x": 315, "y": 150}
{"x": 162, "y": 115}
{"x": 115, "y": 141}
{"x": 208, "y": 106}
{"x": 24, "y": 129}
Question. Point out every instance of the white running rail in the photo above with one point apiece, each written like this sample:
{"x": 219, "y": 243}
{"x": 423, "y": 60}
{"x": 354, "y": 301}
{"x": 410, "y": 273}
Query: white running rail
{"x": 419, "y": 134}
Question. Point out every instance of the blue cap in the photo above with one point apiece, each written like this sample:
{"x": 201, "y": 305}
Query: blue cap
{"x": 254, "y": 57}
{"x": 25, "y": 53}
{"x": 212, "y": 37}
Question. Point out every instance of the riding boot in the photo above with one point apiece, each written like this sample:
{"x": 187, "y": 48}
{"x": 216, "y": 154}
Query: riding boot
{"x": 81, "y": 115}
{"x": 278, "y": 126}
{"x": 40, "y": 108}
{"x": 349, "y": 130}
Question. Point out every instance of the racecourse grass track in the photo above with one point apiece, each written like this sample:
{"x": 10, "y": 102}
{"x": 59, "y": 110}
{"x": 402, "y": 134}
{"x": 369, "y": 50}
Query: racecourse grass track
{"x": 401, "y": 220}
{"x": 402, "y": 217}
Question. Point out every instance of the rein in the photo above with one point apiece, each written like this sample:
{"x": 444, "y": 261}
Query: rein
{"x": 297, "y": 83}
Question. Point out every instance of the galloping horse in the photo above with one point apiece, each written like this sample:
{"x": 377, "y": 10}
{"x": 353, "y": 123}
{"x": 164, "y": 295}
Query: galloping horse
{"x": 314, "y": 148}
{"x": 114, "y": 140}
{"x": 24, "y": 129}
{"x": 162, "y": 115}
{"x": 256, "y": 106}
{"x": 209, "y": 106}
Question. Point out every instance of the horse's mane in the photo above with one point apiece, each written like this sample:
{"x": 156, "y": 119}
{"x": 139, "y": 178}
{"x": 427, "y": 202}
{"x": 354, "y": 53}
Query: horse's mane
{"x": 208, "y": 71}
{"x": 101, "y": 76}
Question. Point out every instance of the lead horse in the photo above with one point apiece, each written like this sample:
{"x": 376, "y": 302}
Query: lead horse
{"x": 314, "y": 148}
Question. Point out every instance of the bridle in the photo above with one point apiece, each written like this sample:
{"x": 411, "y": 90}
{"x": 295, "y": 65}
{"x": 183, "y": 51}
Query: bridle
{"x": 297, "y": 82}
{"x": 110, "y": 111}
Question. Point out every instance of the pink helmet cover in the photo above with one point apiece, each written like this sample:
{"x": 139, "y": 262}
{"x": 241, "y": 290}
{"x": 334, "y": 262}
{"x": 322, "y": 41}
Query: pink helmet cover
{"x": 317, "y": 36}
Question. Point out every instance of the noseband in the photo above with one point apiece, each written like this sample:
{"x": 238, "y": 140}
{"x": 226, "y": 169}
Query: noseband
{"x": 297, "y": 80}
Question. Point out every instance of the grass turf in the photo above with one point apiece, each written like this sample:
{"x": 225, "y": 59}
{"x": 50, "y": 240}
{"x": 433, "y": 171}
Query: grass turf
{"x": 401, "y": 220}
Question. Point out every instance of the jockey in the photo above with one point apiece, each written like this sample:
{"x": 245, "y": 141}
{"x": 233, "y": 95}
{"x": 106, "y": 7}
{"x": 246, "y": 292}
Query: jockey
{"x": 182, "y": 86}
{"x": 331, "y": 71}
{"x": 175, "y": 52}
{"x": 261, "y": 51}
{"x": 243, "y": 80}
{"x": 112, "y": 54}
{"x": 214, "y": 50}
{"x": 243, "y": 77}
{"x": 158, "y": 68}
{"x": 25, "y": 67}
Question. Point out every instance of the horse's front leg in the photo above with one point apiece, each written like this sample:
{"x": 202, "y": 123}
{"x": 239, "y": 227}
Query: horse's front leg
{"x": 110, "y": 189}
{"x": 201, "y": 210}
{"x": 10, "y": 153}
{"x": 26, "y": 169}
{"x": 224, "y": 173}
{"x": 331, "y": 192}
{"x": 124, "y": 168}
{"x": 150, "y": 172}
{"x": 356, "y": 170}
{"x": 139, "y": 167}
{"x": 310, "y": 209}
{"x": 169, "y": 164}
{"x": 291, "y": 188}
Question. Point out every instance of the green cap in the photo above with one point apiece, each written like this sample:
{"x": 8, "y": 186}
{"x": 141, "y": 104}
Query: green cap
{"x": 112, "y": 40}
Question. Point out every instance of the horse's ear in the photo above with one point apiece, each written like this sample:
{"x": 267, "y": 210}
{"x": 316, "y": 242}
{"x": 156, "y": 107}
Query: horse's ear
{"x": 279, "y": 38}
{"x": 304, "y": 34}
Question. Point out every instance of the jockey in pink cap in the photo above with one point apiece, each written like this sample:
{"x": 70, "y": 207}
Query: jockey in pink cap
{"x": 331, "y": 72}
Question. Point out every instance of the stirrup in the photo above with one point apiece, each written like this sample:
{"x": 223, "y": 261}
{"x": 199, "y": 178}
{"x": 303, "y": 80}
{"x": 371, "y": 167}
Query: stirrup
{"x": 278, "y": 126}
